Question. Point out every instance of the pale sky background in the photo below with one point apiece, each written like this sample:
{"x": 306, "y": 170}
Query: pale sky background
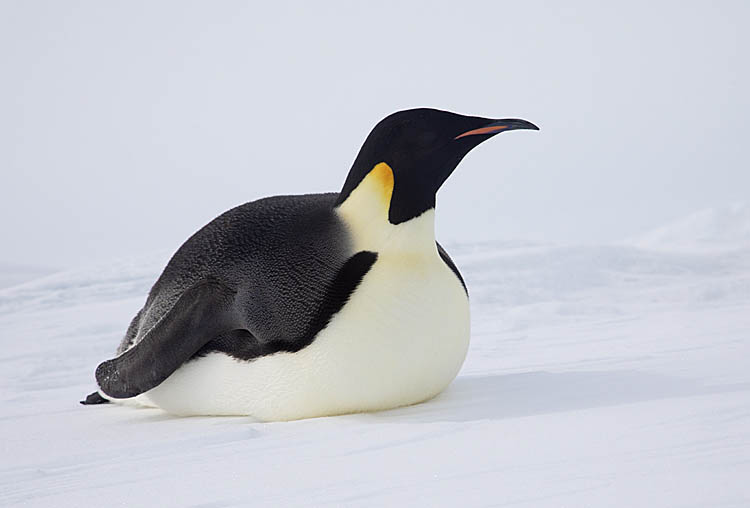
{"x": 126, "y": 126}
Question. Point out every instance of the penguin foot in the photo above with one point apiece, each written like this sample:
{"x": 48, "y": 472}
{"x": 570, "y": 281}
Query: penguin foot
{"x": 94, "y": 398}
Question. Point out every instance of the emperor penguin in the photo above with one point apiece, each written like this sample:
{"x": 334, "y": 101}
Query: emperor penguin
{"x": 300, "y": 306}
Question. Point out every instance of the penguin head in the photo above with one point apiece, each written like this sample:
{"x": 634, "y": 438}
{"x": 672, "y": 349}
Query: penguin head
{"x": 409, "y": 154}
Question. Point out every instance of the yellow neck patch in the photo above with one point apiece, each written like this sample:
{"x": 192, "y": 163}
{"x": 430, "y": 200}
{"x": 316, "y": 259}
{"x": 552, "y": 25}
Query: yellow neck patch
{"x": 382, "y": 182}
{"x": 373, "y": 194}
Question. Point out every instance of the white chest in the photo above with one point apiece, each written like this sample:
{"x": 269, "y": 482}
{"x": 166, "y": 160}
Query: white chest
{"x": 401, "y": 339}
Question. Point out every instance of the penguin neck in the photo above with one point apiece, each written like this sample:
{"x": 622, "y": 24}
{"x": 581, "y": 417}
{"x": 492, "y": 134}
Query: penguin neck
{"x": 365, "y": 212}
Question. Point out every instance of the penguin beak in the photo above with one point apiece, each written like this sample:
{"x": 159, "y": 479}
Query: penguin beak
{"x": 496, "y": 126}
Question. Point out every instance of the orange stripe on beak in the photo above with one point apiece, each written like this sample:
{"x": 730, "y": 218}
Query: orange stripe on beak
{"x": 483, "y": 130}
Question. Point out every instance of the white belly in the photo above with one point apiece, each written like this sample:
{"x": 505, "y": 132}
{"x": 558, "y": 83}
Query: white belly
{"x": 400, "y": 339}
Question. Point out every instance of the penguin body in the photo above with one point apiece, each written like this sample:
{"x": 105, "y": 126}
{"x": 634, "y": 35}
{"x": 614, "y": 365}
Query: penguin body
{"x": 300, "y": 306}
{"x": 377, "y": 352}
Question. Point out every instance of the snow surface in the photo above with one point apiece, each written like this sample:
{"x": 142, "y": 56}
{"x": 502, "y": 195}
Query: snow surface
{"x": 597, "y": 376}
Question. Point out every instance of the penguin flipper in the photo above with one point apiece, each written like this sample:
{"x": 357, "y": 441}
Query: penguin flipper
{"x": 449, "y": 262}
{"x": 201, "y": 313}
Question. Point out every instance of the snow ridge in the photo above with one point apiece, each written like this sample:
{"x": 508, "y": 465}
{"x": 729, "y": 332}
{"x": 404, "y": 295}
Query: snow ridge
{"x": 711, "y": 230}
